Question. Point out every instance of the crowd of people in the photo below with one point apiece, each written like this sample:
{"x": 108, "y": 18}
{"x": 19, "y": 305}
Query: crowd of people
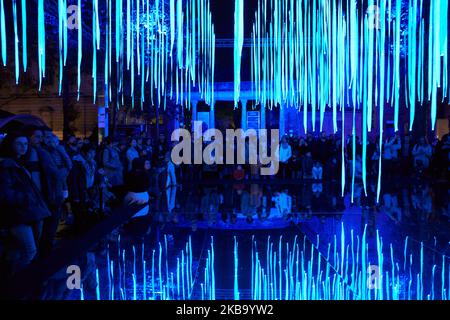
{"x": 45, "y": 182}
{"x": 320, "y": 157}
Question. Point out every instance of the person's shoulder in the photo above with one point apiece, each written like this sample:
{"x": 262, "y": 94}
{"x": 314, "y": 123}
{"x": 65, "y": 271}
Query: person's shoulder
{"x": 7, "y": 163}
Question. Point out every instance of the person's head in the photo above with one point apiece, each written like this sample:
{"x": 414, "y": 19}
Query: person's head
{"x": 49, "y": 139}
{"x": 110, "y": 142}
{"x": 88, "y": 151}
{"x": 445, "y": 139}
{"x": 316, "y": 164}
{"x": 323, "y": 136}
{"x": 20, "y": 146}
{"x": 72, "y": 141}
{"x": 422, "y": 141}
{"x": 308, "y": 154}
{"x": 15, "y": 145}
{"x": 37, "y": 137}
{"x": 133, "y": 143}
{"x": 284, "y": 140}
{"x": 147, "y": 165}
{"x": 80, "y": 143}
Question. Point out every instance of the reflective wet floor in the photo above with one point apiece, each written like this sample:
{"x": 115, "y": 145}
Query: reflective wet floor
{"x": 275, "y": 241}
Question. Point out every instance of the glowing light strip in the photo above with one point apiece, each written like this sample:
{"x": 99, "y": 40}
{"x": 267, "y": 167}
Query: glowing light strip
{"x": 61, "y": 13}
{"x": 381, "y": 55}
{"x": 128, "y": 34}
{"x": 24, "y": 35}
{"x": 238, "y": 45}
{"x": 138, "y": 31}
{"x": 397, "y": 32}
{"x": 16, "y": 41}
{"x": 3, "y": 32}
{"x": 65, "y": 28}
{"x": 118, "y": 28}
{"x": 41, "y": 42}
{"x": 94, "y": 51}
{"x": 80, "y": 48}
{"x": 107, "y": 55}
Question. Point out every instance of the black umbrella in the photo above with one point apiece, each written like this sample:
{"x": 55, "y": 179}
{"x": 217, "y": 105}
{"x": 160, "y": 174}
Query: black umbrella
{"x": 17, "y": 122}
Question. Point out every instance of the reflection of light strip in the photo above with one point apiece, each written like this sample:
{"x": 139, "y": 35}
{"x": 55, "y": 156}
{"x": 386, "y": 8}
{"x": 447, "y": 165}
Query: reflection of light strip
{"x": 3, "y": 32}
{"x": 16, "y": 42}
{"x": 236, "y": 286}
{"x": 97, "y": 286}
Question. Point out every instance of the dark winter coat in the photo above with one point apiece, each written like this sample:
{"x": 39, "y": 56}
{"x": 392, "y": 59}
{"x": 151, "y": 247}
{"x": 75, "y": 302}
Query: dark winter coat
{"x": 20, "y": 200}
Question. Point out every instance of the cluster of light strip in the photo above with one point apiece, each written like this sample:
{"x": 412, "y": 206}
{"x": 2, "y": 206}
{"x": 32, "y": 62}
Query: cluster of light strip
{"x": 317, "y": 54}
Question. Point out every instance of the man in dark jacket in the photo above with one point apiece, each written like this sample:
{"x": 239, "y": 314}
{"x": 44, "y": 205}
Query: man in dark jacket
{"x": 23, "y": 207}
{"x": 55, "y": 171}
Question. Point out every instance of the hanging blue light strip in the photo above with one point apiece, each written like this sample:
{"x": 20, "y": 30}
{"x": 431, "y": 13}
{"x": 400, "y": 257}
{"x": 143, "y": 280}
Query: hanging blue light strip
{"x": 80, "y": 48}
{"x": 24, "y": 36}
{"x": 16, "y": 42}
{"x": 3, "y": 32}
